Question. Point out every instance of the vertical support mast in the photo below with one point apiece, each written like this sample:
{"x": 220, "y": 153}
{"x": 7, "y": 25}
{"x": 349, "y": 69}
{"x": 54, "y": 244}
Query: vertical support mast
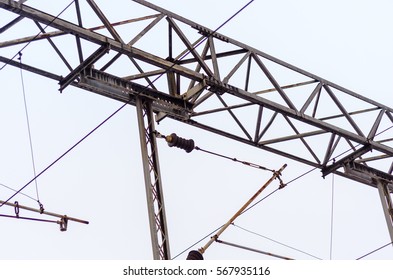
{"x": 387, "y": 205}
{"x": 152, "y": 176}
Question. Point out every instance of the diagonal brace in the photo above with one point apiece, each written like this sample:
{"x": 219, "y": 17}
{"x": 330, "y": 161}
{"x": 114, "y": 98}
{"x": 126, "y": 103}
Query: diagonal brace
{"x": 85, "y": 64}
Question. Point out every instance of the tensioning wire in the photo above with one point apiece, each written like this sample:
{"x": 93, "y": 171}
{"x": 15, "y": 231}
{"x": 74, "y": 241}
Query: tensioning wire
{"x": 7, "y": 187}
{"x": 376, "y": 250}
{"x": 275, "y": 241}
{"x": 250, "y": 164}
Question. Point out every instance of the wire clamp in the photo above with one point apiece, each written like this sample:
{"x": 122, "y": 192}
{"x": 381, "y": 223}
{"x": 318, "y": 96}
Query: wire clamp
{"x": 16, "y": 207}
{"x": 282, "y": 184}
{"x": 63, "y": 223}
{"x": 42, "y": 209}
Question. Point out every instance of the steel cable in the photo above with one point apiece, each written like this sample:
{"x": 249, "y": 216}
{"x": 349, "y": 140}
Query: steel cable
{"x": 29, "y": 129}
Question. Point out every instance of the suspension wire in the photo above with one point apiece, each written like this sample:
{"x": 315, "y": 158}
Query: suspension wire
{"x": 383, "y": 131}
{"x": 332, "y": 219}
{"x": 249, "y": 208}
{"x": 19, "y": 53}
{"x": 38, "y": 34}
{"x": 372, "y": 252}
{"x": 250, "y": 164}
{"x": 200, "y": 240}
{"x": 7, "y": 187}
{"x": 289, "y": 182}
{"x": 29, "y": 129}
{"x": 275, "y": 241}
{"x": 302, "y": 175}
{"x": 65, "y": 153}
{"x": 116, "y": 111}
{"x": 259, "y": 201}
{"x": 253, "y": 250}
{"x": 209, "y": 235}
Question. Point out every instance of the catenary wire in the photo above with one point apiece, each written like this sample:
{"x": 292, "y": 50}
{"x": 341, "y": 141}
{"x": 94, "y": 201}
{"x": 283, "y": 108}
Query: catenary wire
{"x": 210, "y": 234}
{"x": 65, "y": 153}
{"x": 373, "y": 251}
{"x": 250, "y": 164}
{"x": 200, "y": 240}
{"x": 39, "y": 33}
{"x": 14, "y": 190}
{"x": 289, "y": 182}
{"x": 116, "y": 111}
{"x": 247, "y": 209}
{"x": 28, "y": 128}
{"x": 275, "y": 241}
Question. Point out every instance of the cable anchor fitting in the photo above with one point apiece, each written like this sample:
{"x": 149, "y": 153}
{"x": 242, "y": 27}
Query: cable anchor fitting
{"x": 16, "y": 207}
{"x": 278, "y": 176}
{"x": 63, "y": 223}
{"x": 42, "y": 209}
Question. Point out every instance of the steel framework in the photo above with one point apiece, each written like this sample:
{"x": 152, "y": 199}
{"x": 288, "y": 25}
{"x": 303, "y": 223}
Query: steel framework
{"x": 213, "y": 82}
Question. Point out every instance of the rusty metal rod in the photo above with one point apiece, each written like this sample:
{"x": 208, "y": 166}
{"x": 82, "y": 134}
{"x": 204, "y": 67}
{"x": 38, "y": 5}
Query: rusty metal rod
{"x": 240, "y": 211}
{"x": 29, "y": 219}
{"x": 44, "y": 212}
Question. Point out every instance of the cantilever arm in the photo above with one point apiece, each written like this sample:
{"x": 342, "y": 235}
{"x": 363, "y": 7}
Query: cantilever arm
{"x": 238, "y": 213}
{"x": 44, "y": 212}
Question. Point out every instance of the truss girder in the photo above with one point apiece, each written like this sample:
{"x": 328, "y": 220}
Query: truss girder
{"x": 265, "y": 102}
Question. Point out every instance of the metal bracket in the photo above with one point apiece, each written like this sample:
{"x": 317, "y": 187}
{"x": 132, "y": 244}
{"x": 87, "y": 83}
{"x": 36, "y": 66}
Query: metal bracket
{"x": 63, "y": 223}
{"x": 349, "y": 158}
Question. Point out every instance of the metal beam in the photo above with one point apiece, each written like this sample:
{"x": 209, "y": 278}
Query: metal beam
{"x": 288, "y": 109}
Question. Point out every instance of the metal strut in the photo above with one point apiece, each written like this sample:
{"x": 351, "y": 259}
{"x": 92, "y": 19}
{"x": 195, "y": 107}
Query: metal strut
{"x": 387, "y": 205}
{"x": 152, "y": 176}
{"x": 198, "y": 254}
{"x": 382, "y": 181}
{"x": 63, "y": 222}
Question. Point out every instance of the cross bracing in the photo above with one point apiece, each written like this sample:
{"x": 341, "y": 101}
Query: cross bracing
{"x": 259, "y": 99}
{"x": 209, "y": 81}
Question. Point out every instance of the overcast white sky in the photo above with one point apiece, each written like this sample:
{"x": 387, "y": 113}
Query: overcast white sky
{"x": 347, "y": 42}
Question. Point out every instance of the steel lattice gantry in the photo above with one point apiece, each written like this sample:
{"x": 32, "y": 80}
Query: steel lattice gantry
{"x": 211, "y": 82}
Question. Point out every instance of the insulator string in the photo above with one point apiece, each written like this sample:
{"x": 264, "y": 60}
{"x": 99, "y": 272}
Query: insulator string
{"x": 12, "y": 189}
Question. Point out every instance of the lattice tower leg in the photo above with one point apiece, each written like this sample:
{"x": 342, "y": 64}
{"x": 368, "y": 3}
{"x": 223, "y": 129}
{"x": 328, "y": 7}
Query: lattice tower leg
{"x": 387, "y": 205}
{"x": 151, "y": 169}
